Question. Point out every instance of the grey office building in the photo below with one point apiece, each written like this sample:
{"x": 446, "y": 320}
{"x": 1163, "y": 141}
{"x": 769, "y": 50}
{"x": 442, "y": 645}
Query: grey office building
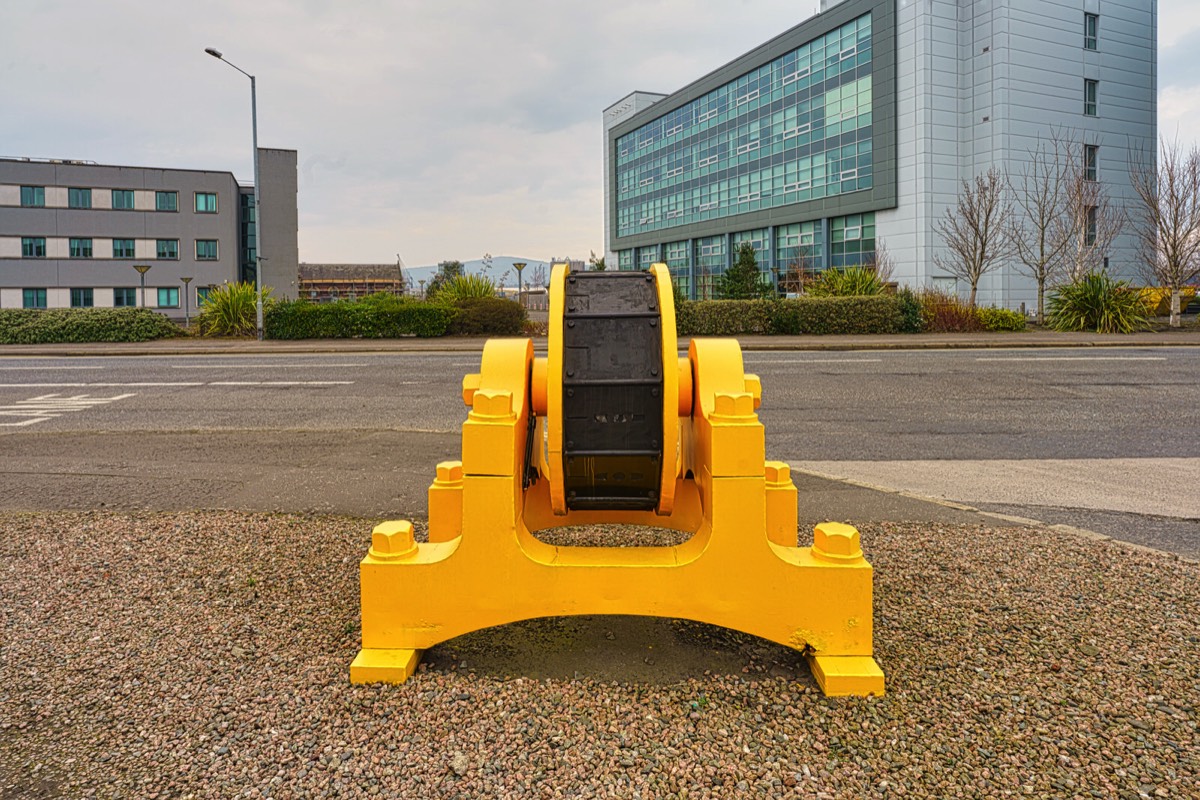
{"x": 71, "y": 232}
{"x": 858, "y": 125}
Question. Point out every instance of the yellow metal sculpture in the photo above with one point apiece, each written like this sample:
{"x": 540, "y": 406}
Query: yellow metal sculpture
{"x": 741, "y": 568}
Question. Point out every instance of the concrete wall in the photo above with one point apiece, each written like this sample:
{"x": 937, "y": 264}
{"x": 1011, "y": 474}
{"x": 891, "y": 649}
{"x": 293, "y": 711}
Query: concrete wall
{"x": 279, "y": 244}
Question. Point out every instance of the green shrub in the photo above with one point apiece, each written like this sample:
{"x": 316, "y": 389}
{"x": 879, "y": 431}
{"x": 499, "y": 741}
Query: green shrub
{"x": 385, "y": 301}
{"x": 837, "y": 315}
{"x": 487, "y": 316}
{"x": 464, "y": 287}
{"x": 848, "y": 282}
{"x": 32, "y": 326}
{"x": 1097, "y": 303}
{"x": 724, "y": 317}
{"x": 1000, "y": 319}
{"x": 231, "y": 310}
{"x": 910, "y": 311}
{"x": 946, "y": 312}
{"x": 803, "y": 315}
{"x": 300, "y": 319}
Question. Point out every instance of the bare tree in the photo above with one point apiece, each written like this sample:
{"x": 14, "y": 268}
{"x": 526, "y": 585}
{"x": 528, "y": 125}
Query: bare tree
{"x": 1040, "y": 203}
{"x": 538, "y": 277}
{"x": 798, "y": 270}
{"x": 1092, "y": 221}
{"x": 881, "y": 262}
{"x": 978, "y": 232}
{"x": 1167, "y": 218}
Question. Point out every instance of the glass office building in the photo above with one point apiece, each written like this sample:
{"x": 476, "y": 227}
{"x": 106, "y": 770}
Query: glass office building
{"x": 857, "y": 129}
{"x": 761, "y": 157}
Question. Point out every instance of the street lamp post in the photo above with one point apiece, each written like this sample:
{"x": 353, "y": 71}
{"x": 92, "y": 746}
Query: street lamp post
{"x": 258, "y": 249}
{"x": 187, "y": 308}
{"x": 519, "y": 266}
{"x": 422, "y": 282}
{"x": 142, "y": 270}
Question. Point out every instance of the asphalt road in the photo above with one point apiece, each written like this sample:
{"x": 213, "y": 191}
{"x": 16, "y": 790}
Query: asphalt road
{"x": 1107, "y": 439}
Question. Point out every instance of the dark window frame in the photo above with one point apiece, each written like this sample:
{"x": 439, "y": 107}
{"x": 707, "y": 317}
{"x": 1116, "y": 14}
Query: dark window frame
{"x": 87, "y": 300}
{"x": 131, "y": 252}
{"x": 39, "y": 295}
{"x": 72, "y": 245}
{"x": 33, "y": 197}
{"x": 31, "y": 245}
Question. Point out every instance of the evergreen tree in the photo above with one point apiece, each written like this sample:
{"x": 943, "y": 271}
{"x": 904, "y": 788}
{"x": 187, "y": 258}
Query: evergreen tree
{"x": 743, "y": 281}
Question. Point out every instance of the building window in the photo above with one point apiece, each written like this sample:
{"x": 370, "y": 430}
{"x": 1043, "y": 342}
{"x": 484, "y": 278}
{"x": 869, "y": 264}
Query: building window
{"x": 122, "y": 199}
{"x": 124, "y": 298}
{"x": 33, "y": 196}
{"x": 168, "y": 249}
{"x": 123, "y": 248}
{"x": 168, "y": 298}
{"x": 202, "y": 293}
{"x": 33, "y": 298}
{"x": 166, "y": 201}
{"x": 206, "y": 249}
{"x": 1089, "y": 235}
{"x": 79, "y": 198}
{"x": 1091, "y": 30}
{"x": 1090, "y": 91}
{"x": 33, "y": 247}
{"x": 81, "y": 298}
{"x": 81, "y": 248}
{"x": 206, "y": 202}
{"x": 1091, "y": 162}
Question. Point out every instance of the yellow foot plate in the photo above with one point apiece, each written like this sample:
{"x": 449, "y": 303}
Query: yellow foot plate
{"x": 843, "y": 676}
{"x": 384, "y": 666}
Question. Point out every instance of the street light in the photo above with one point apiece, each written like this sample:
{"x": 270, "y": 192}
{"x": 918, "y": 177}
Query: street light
{"x": 142, "y": 270}
{"x": 187, "y": 310}
{"x": 519, "y": 266}
{"x": 258, "y": 249}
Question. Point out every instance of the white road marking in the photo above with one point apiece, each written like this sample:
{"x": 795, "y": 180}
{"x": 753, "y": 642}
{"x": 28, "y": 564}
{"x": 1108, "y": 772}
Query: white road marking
{"x": 50, "y": 406}
{"x": 99, "y": 384}
{"x": 816, "y": 361}
{"x": 179, "y": 383}
{"x": 1072, "y": 358}
{"x": 279, "y": 383}
{"x": 262, "y": 366}
{"x": 48, "y": 368}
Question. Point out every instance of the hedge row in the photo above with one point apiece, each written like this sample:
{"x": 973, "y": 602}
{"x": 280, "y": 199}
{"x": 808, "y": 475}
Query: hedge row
{"x": 346, "y": 319}
{"x": 54, "y": 326}
{"x": 807, "y": 315}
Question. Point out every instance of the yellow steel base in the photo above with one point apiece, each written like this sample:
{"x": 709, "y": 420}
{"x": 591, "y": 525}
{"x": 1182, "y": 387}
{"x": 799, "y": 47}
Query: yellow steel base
{"x": 741, "y": 568}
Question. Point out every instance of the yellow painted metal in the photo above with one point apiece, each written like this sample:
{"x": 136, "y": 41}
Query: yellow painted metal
{"x": 670, "y": 389}
{"x": 741, "y": 568}
{"x": 554, "y": 389}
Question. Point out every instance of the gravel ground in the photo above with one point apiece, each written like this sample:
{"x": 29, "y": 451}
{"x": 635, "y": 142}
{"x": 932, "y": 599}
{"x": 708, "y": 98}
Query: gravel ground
{"x": 206, "y": 655}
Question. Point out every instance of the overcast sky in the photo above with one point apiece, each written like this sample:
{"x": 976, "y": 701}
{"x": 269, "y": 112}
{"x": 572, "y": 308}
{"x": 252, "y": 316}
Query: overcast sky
{"x": 437, "y": 130}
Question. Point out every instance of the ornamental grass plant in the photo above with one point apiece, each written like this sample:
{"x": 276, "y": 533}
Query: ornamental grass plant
{"x": 1096, "y": 302}
{"x": 230, "y": 310}
{"x": 848, "y": 282}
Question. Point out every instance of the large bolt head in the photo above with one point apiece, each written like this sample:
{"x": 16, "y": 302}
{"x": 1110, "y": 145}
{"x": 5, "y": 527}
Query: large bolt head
{"x": 393, "y": 540}
{"x": 449, "y": 472}
{"x": 837, "y": 542}
{"x": 778, "y": 472}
